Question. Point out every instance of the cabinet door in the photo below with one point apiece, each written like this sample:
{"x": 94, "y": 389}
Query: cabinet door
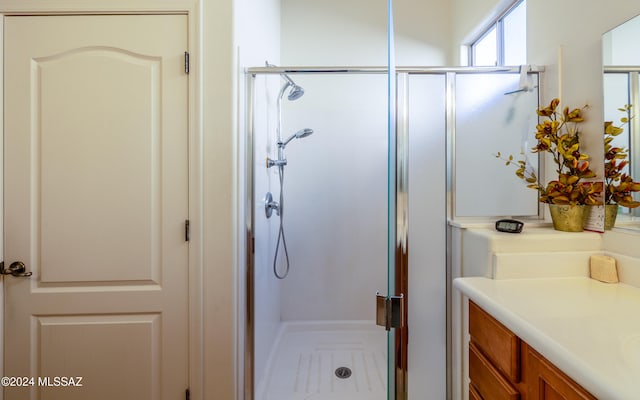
{"x": 488, "y": 381}
{"x": 546, "y": 382}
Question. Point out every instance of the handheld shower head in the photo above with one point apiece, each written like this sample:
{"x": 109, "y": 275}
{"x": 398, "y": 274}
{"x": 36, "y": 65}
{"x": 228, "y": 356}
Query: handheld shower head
{"x": 302, "y": 133}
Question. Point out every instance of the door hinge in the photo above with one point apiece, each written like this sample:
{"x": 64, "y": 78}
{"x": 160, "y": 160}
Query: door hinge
{"x": 390, "y": 311}
{"x": 187, "y": 230}
{"x": 187, "y": 394}
{"x": 186, "y": 62}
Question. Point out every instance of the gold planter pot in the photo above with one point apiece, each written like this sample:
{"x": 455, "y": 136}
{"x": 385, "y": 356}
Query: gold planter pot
{"x": 610, "y": 214}
{"x": 567, "y": 217}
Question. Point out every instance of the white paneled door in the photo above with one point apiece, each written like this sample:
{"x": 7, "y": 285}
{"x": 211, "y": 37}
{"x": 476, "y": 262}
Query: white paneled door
{"x": 96, "y": 203}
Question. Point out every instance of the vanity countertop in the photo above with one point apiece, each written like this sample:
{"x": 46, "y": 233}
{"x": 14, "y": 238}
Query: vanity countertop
{"x": 588, "y": 329}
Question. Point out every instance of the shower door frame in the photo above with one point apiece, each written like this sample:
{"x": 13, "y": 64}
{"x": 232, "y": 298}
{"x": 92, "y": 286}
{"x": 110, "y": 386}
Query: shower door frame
{"x": 400, "y": 274}
{"x": 401, "y": 251}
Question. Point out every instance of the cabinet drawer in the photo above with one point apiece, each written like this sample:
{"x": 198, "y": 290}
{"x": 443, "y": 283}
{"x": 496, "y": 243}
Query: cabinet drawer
{"x": 473, "y": 393}
{"x": 489, "y": 382}
{"x": 495, "y": 341}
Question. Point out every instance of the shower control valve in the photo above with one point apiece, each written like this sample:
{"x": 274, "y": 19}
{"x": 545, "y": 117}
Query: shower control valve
{"x": 270, "y": 205}
{"x": 271, "y": 163}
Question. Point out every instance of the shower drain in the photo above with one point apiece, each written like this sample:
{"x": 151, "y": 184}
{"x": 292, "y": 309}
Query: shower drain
{"x": 343, "y": 372}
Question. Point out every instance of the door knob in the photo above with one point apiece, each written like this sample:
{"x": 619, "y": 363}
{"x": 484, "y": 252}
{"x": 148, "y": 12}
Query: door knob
{"x": 16, "y": 268}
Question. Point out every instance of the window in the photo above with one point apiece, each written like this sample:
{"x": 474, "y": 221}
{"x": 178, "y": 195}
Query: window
{"x": 485, "y": 51}
{"x": 504, "y": 42}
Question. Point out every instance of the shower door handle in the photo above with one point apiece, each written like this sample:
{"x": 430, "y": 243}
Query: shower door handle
{"x": 389, "y": 311}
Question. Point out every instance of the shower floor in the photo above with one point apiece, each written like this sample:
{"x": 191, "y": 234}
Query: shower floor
{"x": 307, "y": 354}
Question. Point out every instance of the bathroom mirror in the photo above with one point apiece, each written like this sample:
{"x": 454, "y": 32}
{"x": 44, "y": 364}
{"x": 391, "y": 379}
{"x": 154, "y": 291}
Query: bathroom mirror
{"x": 621, "y": 69}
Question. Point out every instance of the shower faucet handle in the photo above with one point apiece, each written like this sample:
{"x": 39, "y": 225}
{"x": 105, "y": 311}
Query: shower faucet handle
{"x": 270, "y": 205}
{"x": 271, "y": 163}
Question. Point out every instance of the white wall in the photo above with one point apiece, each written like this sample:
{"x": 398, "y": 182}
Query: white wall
{"x": 219, "y": 167}
{"x": 257, "y": 39}
{"x": 621, "y": 44}
{"x": 235, "y": 33}
{"x": 335, "y": 32}
{"x": 581, "y": 60}
{"x": 336, "y": 198}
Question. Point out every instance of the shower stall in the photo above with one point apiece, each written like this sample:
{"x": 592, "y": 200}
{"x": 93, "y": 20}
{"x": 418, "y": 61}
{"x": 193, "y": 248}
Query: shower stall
{"x": 318, "y": 220}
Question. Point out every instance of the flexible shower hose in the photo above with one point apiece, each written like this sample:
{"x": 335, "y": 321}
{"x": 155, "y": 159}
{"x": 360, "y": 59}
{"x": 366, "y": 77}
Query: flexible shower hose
{"x": 281, "y": 231}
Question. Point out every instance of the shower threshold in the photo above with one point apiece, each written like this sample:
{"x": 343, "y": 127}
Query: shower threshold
{"x": 327, "y": 360}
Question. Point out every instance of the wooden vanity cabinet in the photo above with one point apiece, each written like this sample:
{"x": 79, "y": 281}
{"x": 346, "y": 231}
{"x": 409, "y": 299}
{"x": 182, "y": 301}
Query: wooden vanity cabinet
{"x": 502, "y": 366}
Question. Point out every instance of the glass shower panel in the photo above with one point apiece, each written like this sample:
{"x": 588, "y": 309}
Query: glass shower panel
{"x": 266, "y": 288}
{"x": 426, "y": 301}
{"x": 492, "y": 116}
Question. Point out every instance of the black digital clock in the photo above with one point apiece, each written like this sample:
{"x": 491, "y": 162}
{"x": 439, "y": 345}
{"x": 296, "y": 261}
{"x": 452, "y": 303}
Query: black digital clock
{"x": 509, "y": 225}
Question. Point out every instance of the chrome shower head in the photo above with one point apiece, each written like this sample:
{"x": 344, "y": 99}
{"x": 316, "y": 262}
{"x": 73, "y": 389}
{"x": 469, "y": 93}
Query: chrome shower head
{"x": 296, "y": 91}
{"x": 302, "y": 133}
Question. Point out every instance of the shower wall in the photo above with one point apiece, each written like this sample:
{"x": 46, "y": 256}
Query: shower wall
{"x": 336, "y": 198}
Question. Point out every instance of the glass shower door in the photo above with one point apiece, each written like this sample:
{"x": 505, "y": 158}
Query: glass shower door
{"x": 314, "y": 332}
{"x": 393, "y": 311}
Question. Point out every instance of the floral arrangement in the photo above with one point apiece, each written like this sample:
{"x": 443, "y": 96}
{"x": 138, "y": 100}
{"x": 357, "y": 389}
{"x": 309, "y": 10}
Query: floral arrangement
{"x": 618, "y": 185}
{"x": 558, "y": 134}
